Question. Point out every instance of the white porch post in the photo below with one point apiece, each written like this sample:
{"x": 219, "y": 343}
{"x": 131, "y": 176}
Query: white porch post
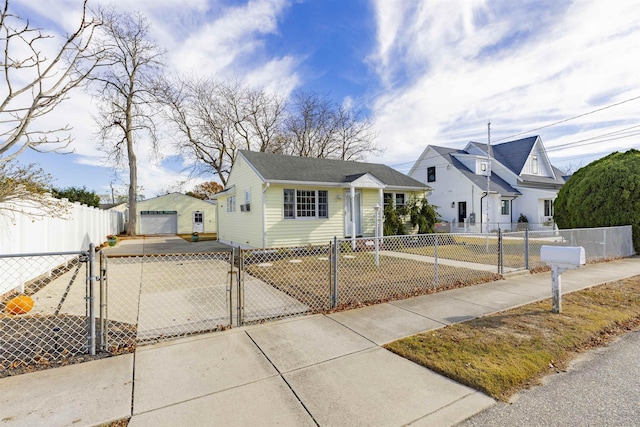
{"x": 353, "y": 222}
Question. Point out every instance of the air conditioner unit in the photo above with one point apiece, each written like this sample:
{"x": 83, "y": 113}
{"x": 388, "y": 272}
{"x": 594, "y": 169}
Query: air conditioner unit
{"x": 242, "y": 209}
{"x": 248, "y": 207}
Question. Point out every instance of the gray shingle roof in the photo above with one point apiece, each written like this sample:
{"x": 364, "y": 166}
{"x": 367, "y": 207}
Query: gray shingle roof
{"x": 277, "y": 167}
{"x": 497, "y": 184}
{"x": 514, "y": 155}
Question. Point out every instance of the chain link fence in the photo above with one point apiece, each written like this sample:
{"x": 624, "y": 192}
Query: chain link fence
{"x": 54, "y": 329}
{"x": 154, "y": 297}
{"x": 600, "y": 244}
{"x": 284, "y": 282}
{"x": 404, "y": 266}
{"x": 146, "y": 298}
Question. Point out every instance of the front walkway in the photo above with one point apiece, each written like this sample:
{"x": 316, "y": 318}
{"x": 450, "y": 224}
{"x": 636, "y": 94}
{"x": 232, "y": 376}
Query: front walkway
{"x": 446, "y": 261}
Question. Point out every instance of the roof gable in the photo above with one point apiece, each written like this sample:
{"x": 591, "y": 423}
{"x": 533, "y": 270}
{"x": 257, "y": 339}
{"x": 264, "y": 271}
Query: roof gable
{"x": 497, "y": 183}
{"x": 514, "y": 154}
{"x": 281, "y": 168}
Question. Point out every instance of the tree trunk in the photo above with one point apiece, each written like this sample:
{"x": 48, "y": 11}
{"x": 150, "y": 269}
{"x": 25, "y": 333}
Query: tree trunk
{"x": 133, "y": 187}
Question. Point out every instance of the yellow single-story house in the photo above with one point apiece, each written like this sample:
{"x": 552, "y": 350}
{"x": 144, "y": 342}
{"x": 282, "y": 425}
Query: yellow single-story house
{"x": 176, "y": 213}
{"x": 272, "y": 200}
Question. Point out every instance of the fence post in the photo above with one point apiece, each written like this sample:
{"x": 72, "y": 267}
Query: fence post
{"x": 90, "y": 300}
{"x": 526, "y": 248}
{"x": 240, "y": 293}
{"x": 335, "y": 271}
{"x": 604, "y": 243}
{"x": 330, "y": 300}
{"x": 500, "y": 248}
{"x": 103, "y": 301}
{"x": 435, "y": 256}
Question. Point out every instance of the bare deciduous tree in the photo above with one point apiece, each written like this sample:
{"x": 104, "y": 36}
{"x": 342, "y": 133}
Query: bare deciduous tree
{"x": 124, "y": 85}
{"x": 317, "y": 127}
{"x": 35, "y": 83}
{"x": 355, "y": 135}
{"x": 310, "y": 126}
{"x": 214, "y": 119}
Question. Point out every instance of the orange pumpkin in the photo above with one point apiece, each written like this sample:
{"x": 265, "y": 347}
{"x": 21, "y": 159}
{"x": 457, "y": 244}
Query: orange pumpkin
{"x": 19, "y": 305}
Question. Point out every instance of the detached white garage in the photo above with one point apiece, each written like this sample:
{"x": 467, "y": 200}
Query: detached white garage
{"x": 158, "y": 222}
{"x": 176, "y": 213}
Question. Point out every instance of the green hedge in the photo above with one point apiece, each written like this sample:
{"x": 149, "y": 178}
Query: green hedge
{"x": 604, "y": 193}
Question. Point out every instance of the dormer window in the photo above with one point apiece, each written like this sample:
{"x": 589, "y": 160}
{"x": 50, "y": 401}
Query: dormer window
{"x": 534, "y": 164}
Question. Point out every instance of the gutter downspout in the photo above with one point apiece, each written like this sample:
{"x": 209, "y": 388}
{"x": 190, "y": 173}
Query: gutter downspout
{"x": 264, "y": 216}
{"x": 481, "y": 217}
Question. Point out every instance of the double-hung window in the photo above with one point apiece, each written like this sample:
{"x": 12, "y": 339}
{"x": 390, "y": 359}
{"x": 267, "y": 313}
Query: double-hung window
{"x": 548, "y": 207}
{"x": 504, "y": 207}
{"x": 299, "y": 204}
{"x": 535, "y": 169}
{"x": 388, "y": 199}
{"x": 231, "y": 204}
{"x": 431, "y": 174}
{"x": 394, "y": 199}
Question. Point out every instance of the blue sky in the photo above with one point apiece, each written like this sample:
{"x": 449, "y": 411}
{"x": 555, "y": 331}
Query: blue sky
{"x": 426, "y": 72}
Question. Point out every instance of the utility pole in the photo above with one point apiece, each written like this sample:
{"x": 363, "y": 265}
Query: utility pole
{"x": 488, "y": 168}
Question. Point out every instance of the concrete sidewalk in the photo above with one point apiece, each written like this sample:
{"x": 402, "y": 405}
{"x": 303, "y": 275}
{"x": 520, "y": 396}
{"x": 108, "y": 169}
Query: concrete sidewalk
{"x": 314, "y": 370}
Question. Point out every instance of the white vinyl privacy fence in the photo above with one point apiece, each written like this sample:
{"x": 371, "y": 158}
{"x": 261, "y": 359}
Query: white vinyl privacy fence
{"x": 72, "y": 232}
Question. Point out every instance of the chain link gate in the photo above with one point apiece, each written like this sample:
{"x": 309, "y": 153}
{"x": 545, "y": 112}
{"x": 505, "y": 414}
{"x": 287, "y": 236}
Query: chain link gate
{"x": 59, "y": 327}
{"x": 146, "y": 298}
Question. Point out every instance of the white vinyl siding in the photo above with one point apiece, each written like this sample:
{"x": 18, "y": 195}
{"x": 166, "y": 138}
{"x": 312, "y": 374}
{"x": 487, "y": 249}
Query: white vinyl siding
{"x": 185, "y": 206}
{"x": 286, "y": 232}
{"x": 243, "y": 228}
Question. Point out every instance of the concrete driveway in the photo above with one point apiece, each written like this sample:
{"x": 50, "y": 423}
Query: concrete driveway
{"x": 166, "y": 286}
{"x": 169, "y": 244}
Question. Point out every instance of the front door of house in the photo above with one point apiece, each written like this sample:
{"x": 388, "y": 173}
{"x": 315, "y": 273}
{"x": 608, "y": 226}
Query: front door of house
{"x": 198, "y": 222}
{"x": 349, "y": 219}
{"x": 462, "y": 211}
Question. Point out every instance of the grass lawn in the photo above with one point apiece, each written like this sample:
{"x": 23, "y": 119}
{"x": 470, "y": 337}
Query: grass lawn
{"x": 482, "y": 250}
{"x": 360, "y": 281}
{"x": 505, "y": 352}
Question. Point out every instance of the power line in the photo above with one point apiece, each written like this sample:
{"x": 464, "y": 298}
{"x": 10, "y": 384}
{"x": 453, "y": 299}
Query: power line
{"x": 571, "y": 118}
{"x": 563, "y": 146}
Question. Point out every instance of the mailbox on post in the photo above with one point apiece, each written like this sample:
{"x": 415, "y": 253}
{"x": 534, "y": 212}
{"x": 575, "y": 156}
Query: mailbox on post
{"x": 561, "y": 258}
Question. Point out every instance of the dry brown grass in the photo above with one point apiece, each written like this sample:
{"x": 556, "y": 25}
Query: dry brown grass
{"x": 360, "y": 281}
{"x": 505, "y": 352}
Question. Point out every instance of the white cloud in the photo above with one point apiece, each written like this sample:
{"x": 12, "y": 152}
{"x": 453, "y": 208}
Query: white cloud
{"x": 202, "y": 37}
{"x": 464, "y": 63}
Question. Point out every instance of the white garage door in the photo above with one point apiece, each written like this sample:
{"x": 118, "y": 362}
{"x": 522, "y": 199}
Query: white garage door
{"x": 158, "y": 222}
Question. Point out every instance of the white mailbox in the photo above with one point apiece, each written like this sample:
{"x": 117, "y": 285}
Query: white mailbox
{"x": 560, "y": 258}
{"x": 563, "y": 256}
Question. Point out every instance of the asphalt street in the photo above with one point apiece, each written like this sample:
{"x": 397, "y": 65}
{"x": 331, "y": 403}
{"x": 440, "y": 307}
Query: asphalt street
{"x": 600, "y": 388}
